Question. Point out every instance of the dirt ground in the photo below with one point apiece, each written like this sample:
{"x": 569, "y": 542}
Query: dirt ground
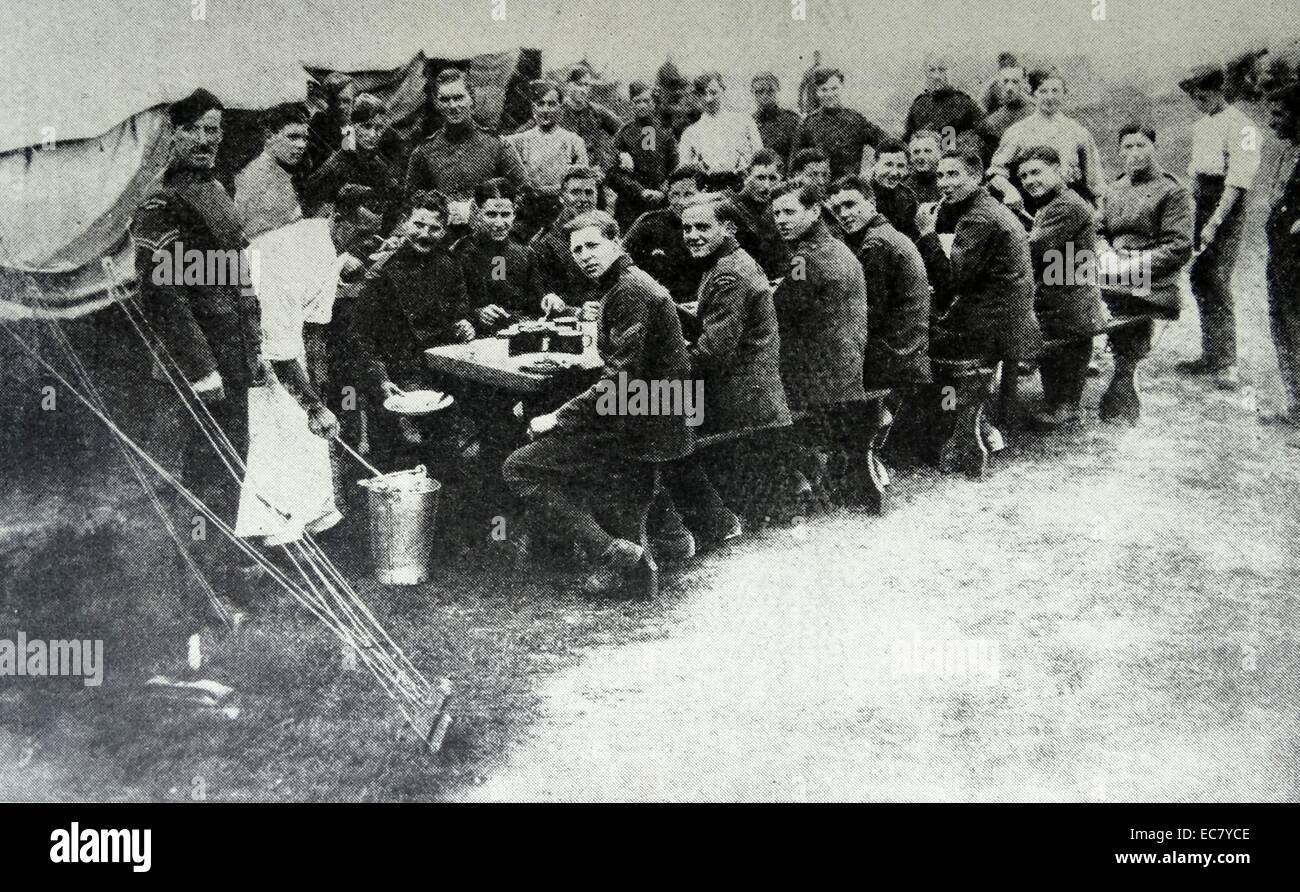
{"x": 1118, "y": 609}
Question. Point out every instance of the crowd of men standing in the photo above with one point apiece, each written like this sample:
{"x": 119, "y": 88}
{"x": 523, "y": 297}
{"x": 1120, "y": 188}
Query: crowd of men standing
{"x": 794, "y": 264}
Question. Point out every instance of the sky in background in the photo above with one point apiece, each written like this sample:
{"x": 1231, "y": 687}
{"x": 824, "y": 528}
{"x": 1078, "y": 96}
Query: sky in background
{"x": 61, "y": 49}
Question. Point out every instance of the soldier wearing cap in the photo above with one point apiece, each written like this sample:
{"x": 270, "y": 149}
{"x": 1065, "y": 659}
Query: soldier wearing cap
{"x": 1283, "y": 229}
{"x": 209, "y": 334}
{"x": 1225, "y": 159}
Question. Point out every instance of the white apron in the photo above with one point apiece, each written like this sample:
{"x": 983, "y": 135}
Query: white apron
{"x": 288, "y": 486}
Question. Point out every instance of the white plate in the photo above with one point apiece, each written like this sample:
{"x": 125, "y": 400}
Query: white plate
{"x": 418, "y": 402}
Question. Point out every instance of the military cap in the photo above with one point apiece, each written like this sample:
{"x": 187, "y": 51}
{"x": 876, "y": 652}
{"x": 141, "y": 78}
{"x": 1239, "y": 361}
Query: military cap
{"x": 184, "y": 112}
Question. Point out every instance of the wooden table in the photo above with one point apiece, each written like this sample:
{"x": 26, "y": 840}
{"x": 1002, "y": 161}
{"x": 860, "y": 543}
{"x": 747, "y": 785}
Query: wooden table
{"x": 488, "y": 361}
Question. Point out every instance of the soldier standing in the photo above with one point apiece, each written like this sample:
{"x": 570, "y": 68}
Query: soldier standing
{"x": 208, "y": 335}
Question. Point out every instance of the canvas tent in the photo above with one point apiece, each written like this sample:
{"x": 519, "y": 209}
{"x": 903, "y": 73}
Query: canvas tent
{"x": 85, "y": 132}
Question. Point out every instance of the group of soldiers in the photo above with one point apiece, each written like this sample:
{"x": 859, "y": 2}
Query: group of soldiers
{"x": 794, "y": 264}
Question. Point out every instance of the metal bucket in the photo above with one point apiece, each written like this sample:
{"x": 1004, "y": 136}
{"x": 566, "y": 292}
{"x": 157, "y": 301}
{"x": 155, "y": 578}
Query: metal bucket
{"x": 403, "y": 508}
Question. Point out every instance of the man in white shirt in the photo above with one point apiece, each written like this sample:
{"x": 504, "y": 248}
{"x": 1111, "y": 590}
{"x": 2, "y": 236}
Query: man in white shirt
{"x": 722, "y": 142}
{"x": 1225, "y": 159}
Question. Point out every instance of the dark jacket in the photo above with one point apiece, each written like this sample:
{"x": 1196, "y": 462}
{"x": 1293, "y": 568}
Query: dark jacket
{"x": 1062, "y": 243}
{"x": 501, "y": 273}
{"x": 898, "y": 205}
{"x": 1152, "y": 212}
{"x": 456, "y": 160}
{"x": 999, "y": 120}
{"x": 821, "y": 308}
{"x": 949, "y": 107}
{"x": 1283, "y": 246}
{"x": 350, "y": 167}
{"x": 654, "y": 155}
{"x": 557, "y": 271}
{"x": 924, "y": 186}
{"x": 842, "y": 134}
{"x": 779, "y": 128}
{"x": 898, "y": 345}
{"x": 738, "y": 352}
{"x": 655, "y": 243}
{"x": 597, "y": 126}
{"x": 639, "y": 336}
{"x": 205, "y": 328}
{"x": 987, "y": 285}
{"x": 759, "y": 237}
{"x": 408, "y": 303}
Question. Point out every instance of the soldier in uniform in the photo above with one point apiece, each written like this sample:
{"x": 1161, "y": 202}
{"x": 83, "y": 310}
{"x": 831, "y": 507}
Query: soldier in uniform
{"x": 591, "y": 469}
{"x": 1284, "y": 254}
{"x": 647, "y": 153}
{"x": 1146, "y": 222}
{"x": 898, "y": 322}
{"x": 1067, "y": 298}
{"x": 208, "y": 335}
{"x": 778, "y": 127}
{"x": 655, "y": 241}
{"x": 822, "y": 311}
{"x": 563, "y": 283}
{"x": 461, "y": 155}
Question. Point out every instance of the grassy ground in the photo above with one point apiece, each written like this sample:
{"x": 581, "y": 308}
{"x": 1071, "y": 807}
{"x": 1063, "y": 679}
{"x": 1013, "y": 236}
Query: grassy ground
{"x": 1123, "y": 571}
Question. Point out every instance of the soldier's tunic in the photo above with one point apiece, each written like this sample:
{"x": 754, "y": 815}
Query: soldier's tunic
{"x": 1067, "y": 297}
{"x": 653, "y": 150}
{"x": 455, "y": 160}
{"x": 898, "y": 324}
{"x": 204, "y": 327}
{"x": 987, "y": 284}
{"x": 502, "y": 273}
{"x": 842, "y": 133}
{"x": 557, "y": 272}
{"x": 1149, "y": 212}
{"x": 779, "y": 128}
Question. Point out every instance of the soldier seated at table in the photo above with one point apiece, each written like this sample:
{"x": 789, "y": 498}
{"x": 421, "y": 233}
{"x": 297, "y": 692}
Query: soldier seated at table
{"x": 898, "y": 341}
{"x": 592, "y": 467}
{"x": 1067, "y": 297}
{"x": 984, "y": 287}
{"x": 564, "y": 287}
{"x": 501, "y": 276}
{"x": 822, "y": 310}
{"x": 410, "y": 301}
{"x": 736, "y": 355}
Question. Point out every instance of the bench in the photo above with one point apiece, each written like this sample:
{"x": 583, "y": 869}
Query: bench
{"x": 875, "y": 481}
{"x": 964, "y": 449}
{"x": 1120, "y": 401}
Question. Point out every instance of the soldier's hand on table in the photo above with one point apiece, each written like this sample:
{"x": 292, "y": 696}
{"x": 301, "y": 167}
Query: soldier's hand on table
{"x": 625, "y": 161}
{"x": 553, "y": 303}
{"x": 491, "y": 315}
{"x": 464, "y": 330}
{"x": 542, "y": 425}
{"x": 322, "y": 423}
